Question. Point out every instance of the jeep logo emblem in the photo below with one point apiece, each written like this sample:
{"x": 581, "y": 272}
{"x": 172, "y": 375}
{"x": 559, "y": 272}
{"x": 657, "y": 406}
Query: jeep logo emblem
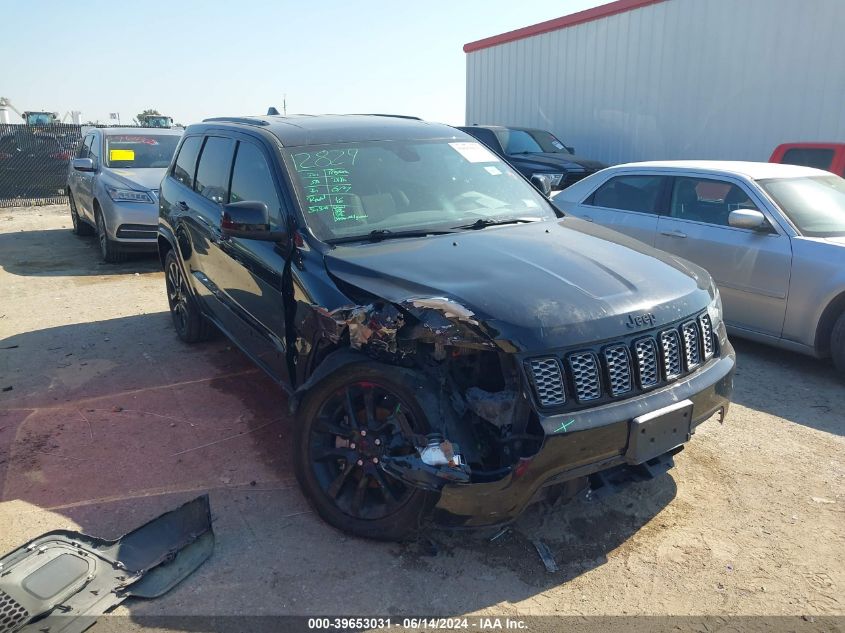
{"x": 641, "y": 320}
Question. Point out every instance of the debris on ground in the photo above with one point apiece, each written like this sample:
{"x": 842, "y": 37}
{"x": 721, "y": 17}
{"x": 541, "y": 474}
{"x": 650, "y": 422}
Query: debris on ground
{"x": 66, "y": 579}
{"x": 545, "y": 555}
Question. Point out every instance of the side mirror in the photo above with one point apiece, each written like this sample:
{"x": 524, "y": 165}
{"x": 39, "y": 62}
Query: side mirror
{"x": 543, "y": 183}
{"x": 249, "y": 219}
{"x": 748, "y": 219}
{"x": 569, "y": 149}
{"x": 83, "y": 164}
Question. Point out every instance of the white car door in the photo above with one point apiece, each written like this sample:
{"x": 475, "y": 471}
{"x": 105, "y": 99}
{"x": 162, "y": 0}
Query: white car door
{"x": 627, "y": 203}
{"x": 750, "y": 267}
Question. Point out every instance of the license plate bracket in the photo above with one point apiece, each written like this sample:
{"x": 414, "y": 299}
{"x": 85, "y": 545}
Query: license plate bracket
{"x": 658, "y": 432}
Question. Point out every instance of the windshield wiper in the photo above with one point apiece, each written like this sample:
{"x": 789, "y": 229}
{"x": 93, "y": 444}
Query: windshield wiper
{"x": 378, "y": 235}
{"x": 482, "y": 223}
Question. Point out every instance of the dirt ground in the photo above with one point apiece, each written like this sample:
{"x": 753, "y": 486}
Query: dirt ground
{"x": 107, "y": 420}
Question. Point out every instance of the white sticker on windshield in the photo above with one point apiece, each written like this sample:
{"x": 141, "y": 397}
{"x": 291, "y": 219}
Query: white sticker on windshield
{"x": 474, "y": 152}
{"x": 495, "y": 171}
{"x": 530, "y": 204}
{"x": 557, "y": 144}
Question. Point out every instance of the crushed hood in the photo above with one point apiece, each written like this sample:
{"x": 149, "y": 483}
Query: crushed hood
{"x": 139, "y": 179}
{"x": 530, "y": 287}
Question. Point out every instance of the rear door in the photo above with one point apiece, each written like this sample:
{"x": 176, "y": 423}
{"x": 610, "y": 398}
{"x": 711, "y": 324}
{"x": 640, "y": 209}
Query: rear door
{"x": 751, "y": 268}
{"x": 628, "y": 203}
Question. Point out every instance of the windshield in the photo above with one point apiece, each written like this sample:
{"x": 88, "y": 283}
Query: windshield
{"x": 549, "y": 142}
{"x": 520, "y": 142}
{"x": 352, "y": 189}
{"x": 140, "y": 151}
{"x": 815, "y": 205}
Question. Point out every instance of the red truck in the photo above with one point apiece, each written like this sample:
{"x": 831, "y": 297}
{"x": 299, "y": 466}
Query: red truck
{"x": 829, "y": 156}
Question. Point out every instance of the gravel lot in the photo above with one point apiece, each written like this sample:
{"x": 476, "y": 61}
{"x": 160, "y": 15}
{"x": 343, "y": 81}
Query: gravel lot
{"x": 110, "y": 421}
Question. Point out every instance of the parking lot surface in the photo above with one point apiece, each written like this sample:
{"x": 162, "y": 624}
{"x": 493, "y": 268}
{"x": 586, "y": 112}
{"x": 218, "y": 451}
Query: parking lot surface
{"x": 107, "y": 420}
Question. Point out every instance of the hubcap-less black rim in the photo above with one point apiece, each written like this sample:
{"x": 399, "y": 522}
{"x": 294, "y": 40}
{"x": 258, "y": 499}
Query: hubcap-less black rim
{"x": 176, "y": 296}
{"x": 355, "y": 427}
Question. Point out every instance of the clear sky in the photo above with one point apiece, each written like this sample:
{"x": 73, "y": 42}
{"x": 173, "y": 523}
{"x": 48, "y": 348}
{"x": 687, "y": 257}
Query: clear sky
{"x": 193, "y": 60}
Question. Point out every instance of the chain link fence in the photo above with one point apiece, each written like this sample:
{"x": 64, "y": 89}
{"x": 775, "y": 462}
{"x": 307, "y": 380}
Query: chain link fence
{"x": 34, "y": 162}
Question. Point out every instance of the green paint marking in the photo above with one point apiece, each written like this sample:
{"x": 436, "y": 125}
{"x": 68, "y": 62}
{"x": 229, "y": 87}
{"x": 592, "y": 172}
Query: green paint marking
{"x": 565, "y": 425}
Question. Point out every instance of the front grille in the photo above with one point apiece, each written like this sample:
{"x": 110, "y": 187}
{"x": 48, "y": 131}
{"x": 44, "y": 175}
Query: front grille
{"x": 12, "y": 614}
{"x": 548, "y": 382}
{"x": 585, "y": 376}
{"x": 645, "y": 351}
{"x": 623, "y": 368}
{"x": 692, "y": 352}
{"x": 618, "y": 369}
{"x": 671, "y": 348}
{"x": 706, "y": 335}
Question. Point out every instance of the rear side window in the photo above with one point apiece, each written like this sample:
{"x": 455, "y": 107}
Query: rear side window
{"x": 629, "y": 193}
{"x": 252, "y": 179}
{"x": 809, "y": 157}
{"x": 213, "y": 170}
{"x": 705, "y": 200}
{"x": 186, "y": 163}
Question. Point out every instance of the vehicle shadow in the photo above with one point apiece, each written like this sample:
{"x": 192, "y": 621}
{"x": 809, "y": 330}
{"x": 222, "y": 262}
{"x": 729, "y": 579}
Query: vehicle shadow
{"x": 60, "y": 253}
{"x": 791, "y": 386}
{"x": 112, "y": 423}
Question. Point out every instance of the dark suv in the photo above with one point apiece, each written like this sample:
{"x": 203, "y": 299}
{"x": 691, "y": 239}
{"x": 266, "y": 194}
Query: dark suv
{"x": 451, "y": 345}
{"x": 535, "y": 152}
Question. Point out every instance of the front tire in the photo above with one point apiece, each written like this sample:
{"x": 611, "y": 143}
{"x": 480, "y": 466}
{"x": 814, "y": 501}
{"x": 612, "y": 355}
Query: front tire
{"x": 190, "y": 324}
{"x": 80, "y": 226}
{"x": 837, "y": 344}
{"x": 109, "y": 249}
{"x": 345, "y": 423}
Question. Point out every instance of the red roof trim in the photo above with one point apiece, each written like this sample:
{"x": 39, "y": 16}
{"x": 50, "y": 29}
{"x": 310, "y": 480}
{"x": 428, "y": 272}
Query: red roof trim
{"x": 588, "y": 15}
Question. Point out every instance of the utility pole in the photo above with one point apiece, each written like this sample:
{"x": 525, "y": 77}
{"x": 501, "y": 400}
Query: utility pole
{"x": 285, "y": 104}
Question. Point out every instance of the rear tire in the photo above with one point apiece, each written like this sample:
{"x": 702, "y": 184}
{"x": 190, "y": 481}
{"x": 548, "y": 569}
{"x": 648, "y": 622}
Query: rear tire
{"x": 337, "y": 467}
{"x": 837, "y": 344}
{"x": 80, "y": 226}
{"x": 110, "y": 250}
{"x": 190, "y": 324}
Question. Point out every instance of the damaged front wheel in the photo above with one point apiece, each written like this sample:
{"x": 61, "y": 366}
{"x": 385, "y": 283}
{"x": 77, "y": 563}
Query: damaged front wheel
{"x": 347, "y": 424}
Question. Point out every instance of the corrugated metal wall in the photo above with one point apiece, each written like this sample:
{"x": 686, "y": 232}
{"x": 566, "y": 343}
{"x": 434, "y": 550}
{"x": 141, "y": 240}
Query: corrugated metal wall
{"x": 720, "y": 79}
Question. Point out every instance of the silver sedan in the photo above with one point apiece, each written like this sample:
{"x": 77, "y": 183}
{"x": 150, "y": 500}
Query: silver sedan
{"x": 772, "y": 236}
{"x": 113, "y": 184}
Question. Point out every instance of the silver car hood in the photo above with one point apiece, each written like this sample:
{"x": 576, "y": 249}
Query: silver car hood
{"x": 138, "y": 179}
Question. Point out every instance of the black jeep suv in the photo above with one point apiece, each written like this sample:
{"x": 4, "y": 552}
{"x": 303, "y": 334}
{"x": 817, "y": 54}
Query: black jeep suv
{"x": 451, "y": 344}
{"x": 534, "y": 152}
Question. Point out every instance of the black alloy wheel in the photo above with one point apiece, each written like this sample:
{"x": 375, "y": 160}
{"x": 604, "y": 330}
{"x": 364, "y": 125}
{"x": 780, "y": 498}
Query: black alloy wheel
{"x": 347, "y": 425}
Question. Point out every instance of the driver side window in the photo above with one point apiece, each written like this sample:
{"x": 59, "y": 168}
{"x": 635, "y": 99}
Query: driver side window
{"x": 84, "y": 150}
{"x": 253, "y": 180}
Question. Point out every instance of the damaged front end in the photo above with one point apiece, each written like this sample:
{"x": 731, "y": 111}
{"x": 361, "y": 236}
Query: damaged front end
{"x": 481, "y": 425}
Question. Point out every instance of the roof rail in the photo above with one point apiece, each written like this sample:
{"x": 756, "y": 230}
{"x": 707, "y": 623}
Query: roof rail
{"x": 235, "y": 119}
{"x": 395, "y": 116}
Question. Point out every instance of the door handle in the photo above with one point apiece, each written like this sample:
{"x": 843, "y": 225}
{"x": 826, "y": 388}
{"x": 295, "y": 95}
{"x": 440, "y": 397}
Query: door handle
{"x": 182, "y": 205}
{"x": 673, "y": 233}
{"x": 586, "y": 218}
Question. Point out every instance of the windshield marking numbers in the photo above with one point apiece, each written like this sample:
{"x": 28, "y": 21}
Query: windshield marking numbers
{"x": 328, "y": 186}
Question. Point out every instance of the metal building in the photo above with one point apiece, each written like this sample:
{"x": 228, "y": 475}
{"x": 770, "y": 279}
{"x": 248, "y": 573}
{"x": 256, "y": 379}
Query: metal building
{"x": 669, "y": 79}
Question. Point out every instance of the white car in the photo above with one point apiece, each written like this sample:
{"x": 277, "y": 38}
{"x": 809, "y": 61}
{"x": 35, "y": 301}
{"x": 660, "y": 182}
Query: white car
{"x": 772, "y": 237}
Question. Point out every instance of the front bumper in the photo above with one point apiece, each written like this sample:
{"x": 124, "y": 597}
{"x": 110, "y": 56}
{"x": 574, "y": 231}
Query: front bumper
{"x": 583, "y": 443}
{"x": 132, "y": 224}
